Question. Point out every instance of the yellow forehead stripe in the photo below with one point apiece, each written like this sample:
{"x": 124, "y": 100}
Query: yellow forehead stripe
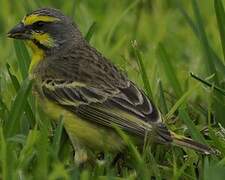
{"x": 28, "y": 20}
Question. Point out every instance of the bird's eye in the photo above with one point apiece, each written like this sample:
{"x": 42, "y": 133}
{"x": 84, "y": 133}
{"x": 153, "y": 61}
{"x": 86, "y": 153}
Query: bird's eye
{"x": 38, "y": 24}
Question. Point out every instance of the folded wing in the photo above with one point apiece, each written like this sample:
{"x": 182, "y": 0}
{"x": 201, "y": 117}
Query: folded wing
{"x": 127, "y": 108}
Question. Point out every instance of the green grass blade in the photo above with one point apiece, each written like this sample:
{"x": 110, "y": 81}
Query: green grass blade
{"x": 220, "y": 16}
{"x": 3, "y": 155}
{"x": 13, "y": 78}
{"x": 6, "y": 158}
{"x": 142, "y": 70}
{"x": 131, "y": 146}
{"x": 91, "y": 31}
{"x": 218, "y": 141}
{"x": 187, "y": 17}
{"x": 218, "y": 63}
{"x": 57, "y": 137}
{"x": 27, "y": 153}
{"x": 59, "y": 171}
{"x": 3, "y": 111}
{"x": 169, "y": 69}
{"x": 22, "y": 57}
{"x": 218, "y": 99}
{"x": 41, "y": 170}
{"x": 16, "y": 85}
{"x": 181, "y": 101}
{"x": 73, "y": 9}
{"x": 195, "y": 134}
{"x": 162, "y": 99}
{"x": 118, "y": 21}
{"x": 3, "y": 105}
{"x": 220, "y": 90}
{"x": 17, "y": 108}
{"x": 210, "y": 66}
{"x": 18, "y": 139}
{"x": 136, "y": 156}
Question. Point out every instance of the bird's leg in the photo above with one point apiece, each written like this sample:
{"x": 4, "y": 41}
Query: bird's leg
{"x": 118, "y": 161}
{"x": 100, "y": 156}
{"x": 81, "y": 155}
{"x": 100, "y": 159}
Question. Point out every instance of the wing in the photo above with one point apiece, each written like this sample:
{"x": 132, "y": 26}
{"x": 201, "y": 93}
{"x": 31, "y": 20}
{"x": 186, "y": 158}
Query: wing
{"x": 127, "y": 108}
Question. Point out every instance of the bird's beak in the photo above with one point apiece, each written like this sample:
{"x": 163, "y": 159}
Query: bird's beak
{"x": 19, "y": 32}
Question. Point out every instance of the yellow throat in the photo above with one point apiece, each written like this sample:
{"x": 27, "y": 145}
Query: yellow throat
{"x": 38, "y": 55}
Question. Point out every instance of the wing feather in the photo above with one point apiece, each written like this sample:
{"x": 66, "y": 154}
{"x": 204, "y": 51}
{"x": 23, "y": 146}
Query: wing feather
{"x": 104, "y": 106}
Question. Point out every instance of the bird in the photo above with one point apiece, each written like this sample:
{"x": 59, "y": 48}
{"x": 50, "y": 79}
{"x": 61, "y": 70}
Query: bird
{"x": 75, "y": 81}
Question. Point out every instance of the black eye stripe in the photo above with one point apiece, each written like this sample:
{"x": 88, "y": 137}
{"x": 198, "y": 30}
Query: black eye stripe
{"x": 38, "y": 25}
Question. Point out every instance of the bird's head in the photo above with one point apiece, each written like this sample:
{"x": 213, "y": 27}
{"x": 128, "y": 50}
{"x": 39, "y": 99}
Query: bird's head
{"x": 46, "y": 29}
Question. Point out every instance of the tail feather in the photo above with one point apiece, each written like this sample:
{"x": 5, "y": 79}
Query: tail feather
{"x": 166, "y": 136}
{"x": 182, "y": 141}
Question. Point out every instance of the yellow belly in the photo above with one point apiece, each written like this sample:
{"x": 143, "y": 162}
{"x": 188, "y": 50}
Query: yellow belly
{"x": 88, "y": 134}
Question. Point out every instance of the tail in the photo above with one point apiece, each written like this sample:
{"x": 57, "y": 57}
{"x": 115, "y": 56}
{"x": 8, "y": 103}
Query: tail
{"x": 166, "y": 136}
{"x": 182, "y": 141}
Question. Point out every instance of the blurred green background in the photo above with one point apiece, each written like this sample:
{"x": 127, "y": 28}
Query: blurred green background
{"x": 157, "y": 43}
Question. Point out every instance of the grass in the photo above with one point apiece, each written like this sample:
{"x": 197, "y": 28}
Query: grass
{"x": 158, "y": 44}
